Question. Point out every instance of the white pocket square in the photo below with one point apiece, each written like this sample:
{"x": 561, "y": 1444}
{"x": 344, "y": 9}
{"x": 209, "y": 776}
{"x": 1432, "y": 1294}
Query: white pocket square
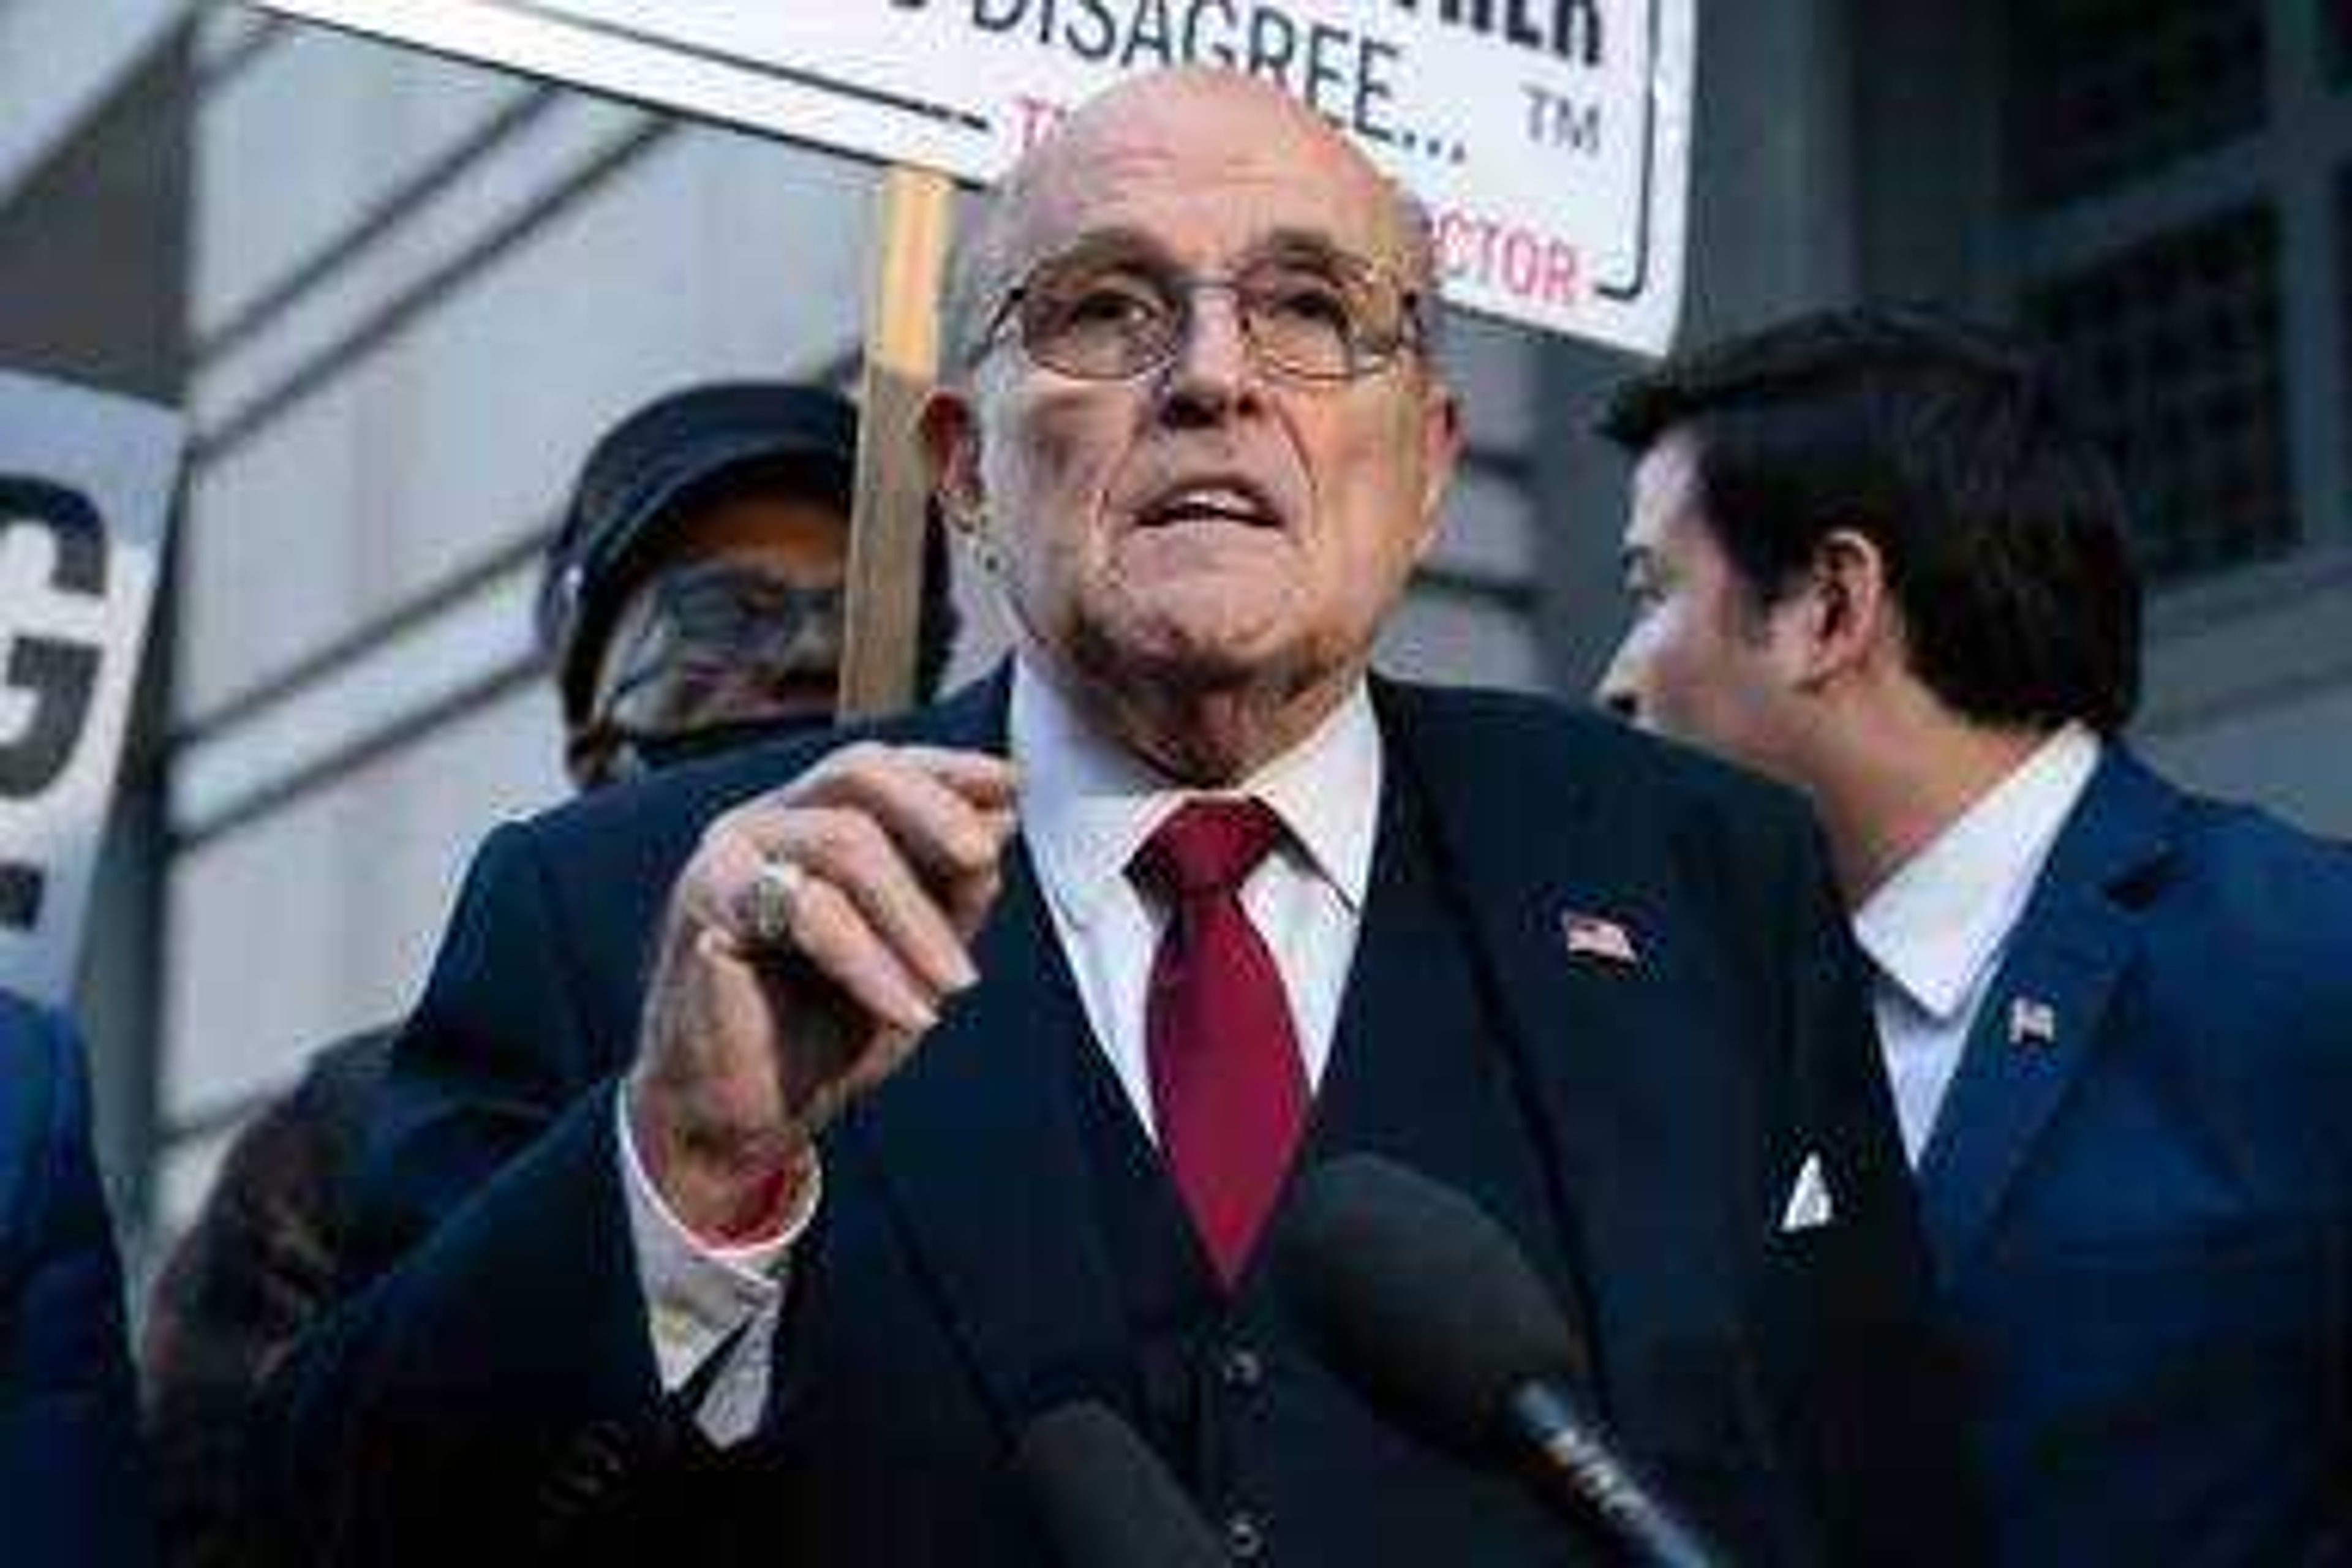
{"x": 1809, "y": 1205}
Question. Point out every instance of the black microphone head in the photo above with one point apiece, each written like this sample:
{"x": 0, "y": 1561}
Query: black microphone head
{"x": 1105, "y": 1498}
{"x": 1408, "y": 1287}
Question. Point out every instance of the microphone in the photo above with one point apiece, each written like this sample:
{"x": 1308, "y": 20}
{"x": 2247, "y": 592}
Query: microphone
{"x": 1413, "y": 1291}
{"x": 1106, "y": 1499}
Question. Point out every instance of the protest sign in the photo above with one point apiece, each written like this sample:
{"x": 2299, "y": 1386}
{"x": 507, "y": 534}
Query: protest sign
{"x": 1550, "y": 138}
{"x": 86, "y": 485}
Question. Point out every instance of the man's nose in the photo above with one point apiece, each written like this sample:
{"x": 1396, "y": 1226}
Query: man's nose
{"x": 1616, "y": 692}
{"x": 1212, "y": 373}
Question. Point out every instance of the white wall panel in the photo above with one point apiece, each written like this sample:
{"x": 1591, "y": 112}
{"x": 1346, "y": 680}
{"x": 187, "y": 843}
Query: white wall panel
{"x": 431, "y": 235}
{"x": 255, "y": 957}
{"x": 391, "y": 682}
{"x": 269, "y": 554}
{"x": 223, "y": 30}
{"x": 717, "y": 255}
{"x": 296, "y": 149}
{"x": 59, "y": 60}
{"x": 321, "y": 918}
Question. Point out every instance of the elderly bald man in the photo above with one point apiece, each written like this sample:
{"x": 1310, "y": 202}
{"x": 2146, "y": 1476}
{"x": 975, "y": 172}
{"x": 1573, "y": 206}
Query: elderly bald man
{"x": 775, "y": 1141}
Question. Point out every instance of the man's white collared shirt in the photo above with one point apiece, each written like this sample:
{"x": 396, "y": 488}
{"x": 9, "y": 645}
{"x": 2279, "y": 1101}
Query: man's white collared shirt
{"x": 1937, "y": 930}
{"x": 1086, "y": 806}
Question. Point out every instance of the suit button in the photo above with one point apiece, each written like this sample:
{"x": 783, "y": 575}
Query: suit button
{"x": 598, "y": 1457}
{"x": 1245, "y": 1540}
{"x": 1241, "y": 1368}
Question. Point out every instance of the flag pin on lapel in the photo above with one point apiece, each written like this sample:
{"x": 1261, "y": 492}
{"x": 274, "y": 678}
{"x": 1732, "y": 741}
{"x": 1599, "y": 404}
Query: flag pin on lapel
{"x": 1596, "y": 936}
{"x": 2031, "y": 1022}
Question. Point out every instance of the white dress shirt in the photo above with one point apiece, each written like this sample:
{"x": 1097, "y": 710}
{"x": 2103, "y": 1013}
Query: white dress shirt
{"x": 1086, "y": 806}
{"x": 1937, "y": 930}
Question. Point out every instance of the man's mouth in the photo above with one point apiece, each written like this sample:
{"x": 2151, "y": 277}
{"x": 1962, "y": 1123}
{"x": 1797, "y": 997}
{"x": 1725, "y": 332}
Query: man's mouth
{"x": 1232, "y": 502}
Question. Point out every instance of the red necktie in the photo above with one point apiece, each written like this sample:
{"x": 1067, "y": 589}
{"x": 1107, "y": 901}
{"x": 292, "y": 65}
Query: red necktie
{"x": 1227, "y": 1086}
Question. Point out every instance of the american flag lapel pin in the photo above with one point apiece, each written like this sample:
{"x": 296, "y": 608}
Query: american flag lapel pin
{"x": 2031, "y": 1022}
{"x": 1598, "y": 937}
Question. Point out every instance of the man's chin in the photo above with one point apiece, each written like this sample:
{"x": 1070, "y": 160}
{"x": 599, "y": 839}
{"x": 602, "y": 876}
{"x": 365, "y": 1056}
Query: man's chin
{"x": 1208, "y": 652}
{"x": 1163, "y": 662}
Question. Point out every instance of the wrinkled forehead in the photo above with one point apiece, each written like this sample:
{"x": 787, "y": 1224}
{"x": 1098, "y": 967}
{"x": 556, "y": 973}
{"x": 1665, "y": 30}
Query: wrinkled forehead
{"x": 1202, "y": 170}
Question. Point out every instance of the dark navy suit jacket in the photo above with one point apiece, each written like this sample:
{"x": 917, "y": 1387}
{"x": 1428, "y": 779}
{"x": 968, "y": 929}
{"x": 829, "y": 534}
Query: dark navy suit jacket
{"x": 492, "y": 1389}
{"x": 2139, "y": 1192}
{"x": 70, "y": 1486}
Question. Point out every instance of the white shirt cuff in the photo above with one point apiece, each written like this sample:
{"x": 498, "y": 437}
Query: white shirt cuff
{"x": 698, "y": 1295}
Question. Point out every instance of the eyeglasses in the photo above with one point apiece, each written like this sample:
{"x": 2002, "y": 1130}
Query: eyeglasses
{"x": 714, "y": 640}
{"x": 721, "y": 649}
{"x": 1312, "y": 315}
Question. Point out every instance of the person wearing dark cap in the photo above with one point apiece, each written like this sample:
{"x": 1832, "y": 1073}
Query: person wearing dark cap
{"x": 692, "y": 600}
{"x": 694, "y": 594}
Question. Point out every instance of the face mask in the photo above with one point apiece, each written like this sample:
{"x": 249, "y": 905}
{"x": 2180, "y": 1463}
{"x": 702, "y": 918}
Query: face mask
{"x": 721, "y": 654}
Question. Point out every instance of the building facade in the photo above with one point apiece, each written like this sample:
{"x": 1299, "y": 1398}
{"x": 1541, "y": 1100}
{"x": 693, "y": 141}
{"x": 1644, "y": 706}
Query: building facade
{"x": 399, "y": 296}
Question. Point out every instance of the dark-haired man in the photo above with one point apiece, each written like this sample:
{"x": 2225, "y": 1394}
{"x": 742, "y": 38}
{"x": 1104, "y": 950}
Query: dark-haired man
{"x": 690, "y": 602}
{"x": 1869, "y": 554}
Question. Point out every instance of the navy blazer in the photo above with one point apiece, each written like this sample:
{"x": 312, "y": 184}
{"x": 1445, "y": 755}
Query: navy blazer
{"x": 2139, "y": 1192}
{"x": 70, "y": 1486}
{"x": 491, "y": 1387}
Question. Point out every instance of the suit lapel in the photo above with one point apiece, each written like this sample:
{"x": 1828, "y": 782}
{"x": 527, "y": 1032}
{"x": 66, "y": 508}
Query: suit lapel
{"x": 2044, "y": 1016}
{"x": 1594, "y": 1039}
{"x": 1412, "y": 1075}
{"x": 975, "y": 1145}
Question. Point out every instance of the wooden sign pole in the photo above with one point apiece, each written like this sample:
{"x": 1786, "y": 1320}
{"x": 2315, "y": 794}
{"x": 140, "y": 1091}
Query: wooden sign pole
{"x": 902, "y": 351}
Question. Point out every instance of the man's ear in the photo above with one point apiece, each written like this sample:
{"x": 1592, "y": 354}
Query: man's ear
{"x": 1845, "y": 609}
{"x": 950, "y": 432}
